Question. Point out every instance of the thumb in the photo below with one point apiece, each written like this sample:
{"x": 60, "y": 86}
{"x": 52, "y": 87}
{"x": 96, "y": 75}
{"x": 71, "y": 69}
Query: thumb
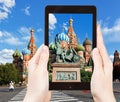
{"x": 97, "y": 60}
{"x": 43, "y": 60}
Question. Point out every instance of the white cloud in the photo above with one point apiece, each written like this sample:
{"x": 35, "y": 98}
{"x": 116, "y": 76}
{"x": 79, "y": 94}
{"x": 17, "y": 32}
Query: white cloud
{"x": 52, "y": 21}
{"x": 8, "y": 3}
{"x": 7, "y": 37}
{"x": 24, "y": 30}
{"x": 65, "y": 26}
{"x": 26, "y": 11}
{"x": 39, "y": 30}
{"x": 27, "y": 38}
{"x": 111, "y": 34}
{"x": 6, "y": 56}
{"x": 5, "y": 8}
{"x": 13, "y": 41}
{"x": 5, "y": 34}
{"x": 100, "y": 22}
{"x": 1, "y": 34}
{"x": 3, "y": 15}
{"x": 111, "y": 57}
{"x": 51, "y": 34}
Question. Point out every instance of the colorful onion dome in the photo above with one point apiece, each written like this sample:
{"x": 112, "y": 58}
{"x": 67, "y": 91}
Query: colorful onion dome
{"x": 17, "y": 54}
{"x": 25, "y": 51}
{"x": 80, "y": 48}
{"x": 87, "y": 42}
{"x": 62, "y": 37}
{"x": 52, "y": 46}
{"x": 70, "y": 20}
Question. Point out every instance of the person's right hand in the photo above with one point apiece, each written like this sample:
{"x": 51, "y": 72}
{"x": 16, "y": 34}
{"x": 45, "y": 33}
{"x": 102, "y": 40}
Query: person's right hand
{"x": 101, "y": 81}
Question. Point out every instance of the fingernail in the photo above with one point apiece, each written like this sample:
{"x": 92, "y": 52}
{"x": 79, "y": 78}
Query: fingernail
{"x": 45, "y": 47}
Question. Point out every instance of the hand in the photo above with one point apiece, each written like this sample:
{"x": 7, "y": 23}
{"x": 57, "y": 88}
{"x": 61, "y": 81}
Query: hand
{"x": 38, "y": 84}
{"x": 101, "y": 82}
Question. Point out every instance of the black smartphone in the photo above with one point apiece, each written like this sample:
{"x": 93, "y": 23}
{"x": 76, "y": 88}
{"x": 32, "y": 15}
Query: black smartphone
{"x": 70, "y": 34}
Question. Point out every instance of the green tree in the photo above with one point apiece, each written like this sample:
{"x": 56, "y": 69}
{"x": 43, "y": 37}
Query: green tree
{"x": 8, "y": 73}
{"x": 85, "y": 75}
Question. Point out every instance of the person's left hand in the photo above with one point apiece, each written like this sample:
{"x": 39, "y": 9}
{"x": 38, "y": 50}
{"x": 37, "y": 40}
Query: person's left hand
{"x": 38, "y": 83}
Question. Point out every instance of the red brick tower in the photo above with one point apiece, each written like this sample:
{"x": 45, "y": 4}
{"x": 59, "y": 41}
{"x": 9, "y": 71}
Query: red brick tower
{"x": 31, "y": 45}
{"x": 116, "y": 66}
{"x": 116, "y": 61}
{"x": 72, "y": 36}
{"x": 28, "y": 53}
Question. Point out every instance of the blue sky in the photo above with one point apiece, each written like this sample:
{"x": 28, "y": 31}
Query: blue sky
{"x": 17, "y": 17}
{"x": 82, "y": 25}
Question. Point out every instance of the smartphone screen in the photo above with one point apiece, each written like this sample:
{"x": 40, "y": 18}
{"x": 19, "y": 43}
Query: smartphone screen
{"x": 70, "y": 41}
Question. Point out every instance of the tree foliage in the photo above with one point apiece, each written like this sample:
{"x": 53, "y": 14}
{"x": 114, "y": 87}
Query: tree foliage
{"x": 85, "y": 75}
{"x": 8, "y": 73}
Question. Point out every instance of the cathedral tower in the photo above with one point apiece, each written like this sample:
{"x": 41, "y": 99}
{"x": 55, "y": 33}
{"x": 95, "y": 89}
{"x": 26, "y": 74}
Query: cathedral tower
{"x": 88, "y": 47}
{"x": 116, "y": 60}
{"x": 17, "y": 61}
{"x": 72, "y": 36}
{"x": 26, "y": 57}
{"x": 31, "y": 45}
{"x": 116, "y": 66}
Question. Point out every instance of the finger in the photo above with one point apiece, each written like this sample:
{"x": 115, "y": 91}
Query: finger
{"x": 34, "y": 61}
{"x": 107, "y": 64}
{"x": 97, "y": 60}
{"x": 48, "y": 96}
{"x": 43, "y": 60}
{"x": 35, "y": 58}
{"x": 101, "y": 47}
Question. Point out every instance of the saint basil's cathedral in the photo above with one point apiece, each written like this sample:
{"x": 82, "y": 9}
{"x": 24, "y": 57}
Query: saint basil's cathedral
{"x": 28, "y": 52}
{"x": 71, "y": 40}
{"x": 66, "y": 40}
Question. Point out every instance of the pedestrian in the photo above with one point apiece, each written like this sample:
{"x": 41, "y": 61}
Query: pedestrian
{"x": 20, "y": 83}
{"x": 11, "y": 87}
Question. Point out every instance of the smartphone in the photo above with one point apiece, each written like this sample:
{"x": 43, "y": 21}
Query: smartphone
{"x": 70, "y": 34}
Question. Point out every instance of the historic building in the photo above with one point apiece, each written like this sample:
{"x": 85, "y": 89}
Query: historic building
{"x": 116, "y": 66}
{"x": 88, "y": 47}
{"x": 72, "y": 36}
{"x": 31, "y": 45}
{"x": 63, "y": 39}
{"x": 70, "y": 40}
{"x": 18, "y": 62}
{"x": 28, "y": 53}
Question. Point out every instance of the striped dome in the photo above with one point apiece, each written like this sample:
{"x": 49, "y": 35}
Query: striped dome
{"x": 63, "y": 37}
{"x": 25, "y": 51}
{"x": 17, "y": 54}
{"x": 52, "y": 46}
